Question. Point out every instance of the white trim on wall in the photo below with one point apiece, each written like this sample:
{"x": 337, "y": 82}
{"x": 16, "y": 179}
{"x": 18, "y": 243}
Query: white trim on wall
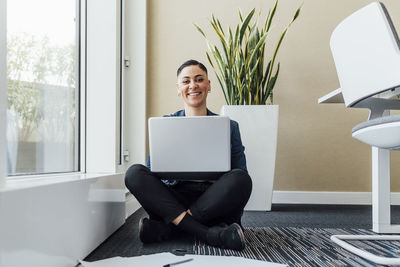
{"x": 134, "y": 43}
{"x": 134, "y": 102}
{"x": 302, "y": 197}
{"x": 334, "y": 198}
{"x": 82, "y": 86}
{"x": 3, "y": 91}
{"x": 102, "y": 87}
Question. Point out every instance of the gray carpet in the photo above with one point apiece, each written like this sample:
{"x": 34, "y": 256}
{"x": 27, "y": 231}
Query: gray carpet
{"x": 124, "y": 242}
{"x": 303, "y": 247}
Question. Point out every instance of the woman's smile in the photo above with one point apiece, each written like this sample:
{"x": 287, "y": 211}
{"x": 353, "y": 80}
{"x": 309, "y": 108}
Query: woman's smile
{"x": 194, "y": 94}
{"x": 193, "y": 86}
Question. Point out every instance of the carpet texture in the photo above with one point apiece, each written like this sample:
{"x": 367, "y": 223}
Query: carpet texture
{"x": 125, "y": 241}
{"x": 302, "y": 247}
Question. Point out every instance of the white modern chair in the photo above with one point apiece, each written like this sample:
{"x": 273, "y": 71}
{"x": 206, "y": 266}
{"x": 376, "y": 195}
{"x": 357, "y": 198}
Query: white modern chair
{"x": 365, "y": 48}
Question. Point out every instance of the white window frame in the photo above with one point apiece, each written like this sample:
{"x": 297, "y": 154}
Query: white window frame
{"x": 3, "y": 91}
{"x": 49, "y": 192}
{"x": 99, "y": 141}
{"x": 134, "y": 82}
{"x": 82, "y": 85}
{"x": 102, "y": 74}
{"x": 80, "y": 36}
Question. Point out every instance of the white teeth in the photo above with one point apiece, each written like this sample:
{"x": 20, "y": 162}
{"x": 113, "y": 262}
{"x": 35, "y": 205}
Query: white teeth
{"x": 193, "y": 94}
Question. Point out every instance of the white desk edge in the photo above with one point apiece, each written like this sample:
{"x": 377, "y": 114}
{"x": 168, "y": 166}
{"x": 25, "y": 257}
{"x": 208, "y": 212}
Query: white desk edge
{"x": 333, "y": 97}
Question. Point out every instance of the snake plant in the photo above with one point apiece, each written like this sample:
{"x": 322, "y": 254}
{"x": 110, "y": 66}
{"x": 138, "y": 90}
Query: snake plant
{"x": 239, "y": 64}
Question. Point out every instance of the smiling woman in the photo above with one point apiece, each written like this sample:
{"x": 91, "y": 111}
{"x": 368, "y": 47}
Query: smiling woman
{"x": 209, "y": 210}
{"x": 193, "y": 86}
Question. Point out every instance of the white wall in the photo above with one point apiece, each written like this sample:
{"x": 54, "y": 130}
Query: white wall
{"x": 315, "y": 150}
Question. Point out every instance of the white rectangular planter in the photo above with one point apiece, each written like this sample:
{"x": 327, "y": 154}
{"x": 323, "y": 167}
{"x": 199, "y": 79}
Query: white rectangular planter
{"x": 258, "y": 126}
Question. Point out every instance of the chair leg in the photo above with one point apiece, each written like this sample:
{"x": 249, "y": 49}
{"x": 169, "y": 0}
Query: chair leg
{"x": 338, "y": 239}
{"x": 380, "y": 189}
{"x": 380, "y": 211}
{"x": 381, "y": 222}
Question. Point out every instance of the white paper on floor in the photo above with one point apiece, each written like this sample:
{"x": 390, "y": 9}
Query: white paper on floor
{"x": 161, "y": 259}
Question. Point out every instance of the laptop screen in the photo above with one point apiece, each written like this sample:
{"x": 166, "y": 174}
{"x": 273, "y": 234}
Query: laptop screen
{"x": 190, "y": 144}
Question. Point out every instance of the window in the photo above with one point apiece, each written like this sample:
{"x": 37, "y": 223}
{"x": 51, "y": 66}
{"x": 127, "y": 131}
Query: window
{"x": 43, "y": 86}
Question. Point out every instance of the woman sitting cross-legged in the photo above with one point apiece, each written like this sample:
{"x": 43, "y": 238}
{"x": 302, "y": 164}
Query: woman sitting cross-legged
{"x": 211, "y": 211}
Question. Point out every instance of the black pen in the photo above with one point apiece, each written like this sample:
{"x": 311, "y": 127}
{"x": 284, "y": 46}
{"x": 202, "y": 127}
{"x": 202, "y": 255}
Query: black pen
{"x": 178, "y": 262}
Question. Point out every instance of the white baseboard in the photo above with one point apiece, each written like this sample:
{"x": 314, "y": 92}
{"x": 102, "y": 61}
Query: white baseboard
{"x": 300, "y": 197}
{"x": 336, "y": 198}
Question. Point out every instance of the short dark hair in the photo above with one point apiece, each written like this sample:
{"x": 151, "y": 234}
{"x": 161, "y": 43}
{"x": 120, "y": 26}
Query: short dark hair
{"x": 191, "y": 62}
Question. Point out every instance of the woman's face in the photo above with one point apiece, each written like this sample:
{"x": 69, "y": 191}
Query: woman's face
{"x": 193, "y": 86}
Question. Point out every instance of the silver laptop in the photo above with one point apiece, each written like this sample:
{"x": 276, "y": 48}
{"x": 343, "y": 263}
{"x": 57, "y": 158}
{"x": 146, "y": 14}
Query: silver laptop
{"x": 182, "y": 146}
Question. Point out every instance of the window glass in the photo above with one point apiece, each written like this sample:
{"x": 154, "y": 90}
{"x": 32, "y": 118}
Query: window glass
{"x": 43, "y": 92}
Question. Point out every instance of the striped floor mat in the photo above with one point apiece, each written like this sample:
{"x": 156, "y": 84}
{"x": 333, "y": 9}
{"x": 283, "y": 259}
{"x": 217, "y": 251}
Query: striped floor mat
{"x": 302, "y": 247}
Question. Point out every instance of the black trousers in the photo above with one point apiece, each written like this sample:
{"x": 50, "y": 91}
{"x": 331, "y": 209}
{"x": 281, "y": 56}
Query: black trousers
{"x": 211, "y": 203}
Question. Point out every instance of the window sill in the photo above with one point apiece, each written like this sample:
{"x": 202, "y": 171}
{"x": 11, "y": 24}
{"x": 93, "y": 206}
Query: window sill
{"x": 81, "y": 210}
{"x": 24, "y": 182}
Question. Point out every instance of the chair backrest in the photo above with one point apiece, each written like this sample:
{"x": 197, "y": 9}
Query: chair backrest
{"x": 365, "y": 48}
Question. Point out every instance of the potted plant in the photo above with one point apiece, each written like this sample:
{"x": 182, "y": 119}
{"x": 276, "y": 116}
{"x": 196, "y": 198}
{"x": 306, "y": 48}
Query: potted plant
{"x": 248, "y": 83}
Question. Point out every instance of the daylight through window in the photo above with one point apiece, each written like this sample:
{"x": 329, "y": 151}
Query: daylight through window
{"x": 43, "y": 91}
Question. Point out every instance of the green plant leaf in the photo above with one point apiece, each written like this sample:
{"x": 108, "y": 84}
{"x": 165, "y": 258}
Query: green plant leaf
{"x": 254, "y": 38}
{"x": 296, "y": 14}
{"x": 236, "y": 36}
{"x": 266, "y": 21}
{"x": 222, "y": 39}
{"x": 259, "y": 44}
{"x": 272, "y": 14}
{"x": 240, "y": 66}
{"x": 270, "y": 86}
{"x": 276, "y": 52}
{"x": 209, "y": 60}
{"x": 200, "y": 30}
{"x": 245, "y": 24}
{"x": 265, "y": 77}
{"x": 224, "y": 89}
{"x": 240, "y": 15}
{"x": 220, "y": 27}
